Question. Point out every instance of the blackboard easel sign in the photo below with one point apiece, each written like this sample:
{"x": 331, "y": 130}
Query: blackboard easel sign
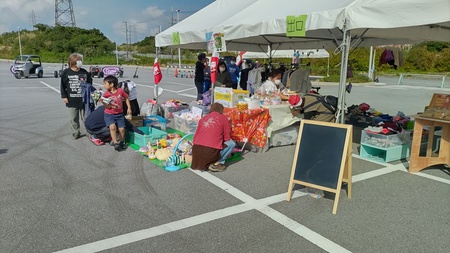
{"x": 323, "y": 158}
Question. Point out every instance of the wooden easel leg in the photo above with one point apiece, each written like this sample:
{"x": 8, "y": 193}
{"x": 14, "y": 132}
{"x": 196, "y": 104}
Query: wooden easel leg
{"x": 336, "y": 200}
{"x": 289, "y": 193}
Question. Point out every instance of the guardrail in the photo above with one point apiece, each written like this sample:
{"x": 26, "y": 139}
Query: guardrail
{"x": 441, "y": 77}
{"x": 183, "y": 72}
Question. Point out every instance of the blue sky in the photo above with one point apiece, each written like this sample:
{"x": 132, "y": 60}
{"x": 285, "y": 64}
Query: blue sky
{"x": 143, "y": 17}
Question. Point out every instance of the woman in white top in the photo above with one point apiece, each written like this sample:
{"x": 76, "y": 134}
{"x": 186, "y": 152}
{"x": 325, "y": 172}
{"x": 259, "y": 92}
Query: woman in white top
{"x": 273, "y": 83}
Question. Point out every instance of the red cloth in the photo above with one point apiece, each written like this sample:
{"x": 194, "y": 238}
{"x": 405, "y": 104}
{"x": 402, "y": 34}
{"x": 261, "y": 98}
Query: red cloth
{"x": 157, "y": 72}
{"x": 212, "y": 131}
{"x": 116, "y": 101}
{"x": 249, "y": 124}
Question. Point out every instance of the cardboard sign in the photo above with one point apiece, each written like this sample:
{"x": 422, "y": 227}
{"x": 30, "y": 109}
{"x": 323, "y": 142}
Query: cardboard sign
{"x": 176, "y": 38}
{"x": 215, "y": 42}
{"x": 296, "y": 26}
{"x": 223, "y": 96}
{"x": 198, "y": 112}
{"x": 439, "y": 107}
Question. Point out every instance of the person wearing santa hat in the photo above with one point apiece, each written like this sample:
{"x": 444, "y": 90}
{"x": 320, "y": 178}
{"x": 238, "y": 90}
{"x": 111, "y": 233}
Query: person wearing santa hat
{"x": 296, "y": 104}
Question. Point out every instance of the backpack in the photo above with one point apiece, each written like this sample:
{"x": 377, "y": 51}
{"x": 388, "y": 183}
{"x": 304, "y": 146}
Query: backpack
{"x": 124, "y": 86}
{"x": 328, "y": 101}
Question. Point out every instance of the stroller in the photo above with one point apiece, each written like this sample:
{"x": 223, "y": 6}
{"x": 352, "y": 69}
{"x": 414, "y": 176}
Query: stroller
{"x": 320, "y": 108}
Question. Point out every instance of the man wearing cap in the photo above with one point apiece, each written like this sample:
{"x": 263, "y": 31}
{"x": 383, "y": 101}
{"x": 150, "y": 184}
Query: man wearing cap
{"x": 233, "y": 69}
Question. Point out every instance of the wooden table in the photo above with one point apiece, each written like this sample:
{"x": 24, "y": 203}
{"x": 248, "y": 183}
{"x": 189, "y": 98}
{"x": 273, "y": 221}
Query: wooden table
{"x": 417, "y": 162}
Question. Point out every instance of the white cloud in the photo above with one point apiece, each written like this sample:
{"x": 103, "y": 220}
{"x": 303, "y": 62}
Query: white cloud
{"x": 153, "y": 11}
{"x": 15, "y": 13}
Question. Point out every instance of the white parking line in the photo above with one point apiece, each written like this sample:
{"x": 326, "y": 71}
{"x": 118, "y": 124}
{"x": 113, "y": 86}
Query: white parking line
{"x": 262, "y": 205}
{"x": 51, "y": 87}
{"x": 186, "y": 90}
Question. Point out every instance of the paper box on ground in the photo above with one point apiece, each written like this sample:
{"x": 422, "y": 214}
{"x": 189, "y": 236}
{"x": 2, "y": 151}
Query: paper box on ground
{"x": 150, "y": 135}
{"x": 169, "y": 110}
{"x": 156, "y": 121}
{"x": 229, "y": 97}
{"x": 185, "y": 121}
{"x": 137, "y": 121}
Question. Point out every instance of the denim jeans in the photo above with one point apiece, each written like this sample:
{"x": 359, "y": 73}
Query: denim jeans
{"x": 224, "y": 153}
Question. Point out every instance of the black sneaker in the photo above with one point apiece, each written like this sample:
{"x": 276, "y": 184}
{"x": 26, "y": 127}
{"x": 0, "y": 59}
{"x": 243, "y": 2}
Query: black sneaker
{"x": 117, "y": 146}
{"x": 123, "y": 145}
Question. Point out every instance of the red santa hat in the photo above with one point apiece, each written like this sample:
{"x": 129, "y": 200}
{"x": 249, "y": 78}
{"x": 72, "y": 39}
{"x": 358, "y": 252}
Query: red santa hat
{"x": 295, "y": 101}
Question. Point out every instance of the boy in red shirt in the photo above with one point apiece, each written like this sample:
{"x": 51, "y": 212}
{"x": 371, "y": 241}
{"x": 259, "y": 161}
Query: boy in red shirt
{"x": 112, "y": 100}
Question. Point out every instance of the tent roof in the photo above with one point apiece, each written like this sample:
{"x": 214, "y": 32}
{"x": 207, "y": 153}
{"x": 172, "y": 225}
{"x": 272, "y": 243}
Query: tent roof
{"x": 252, "y": 25}
{"x": 376, "y": 22}
{"x": 193, "y": 28}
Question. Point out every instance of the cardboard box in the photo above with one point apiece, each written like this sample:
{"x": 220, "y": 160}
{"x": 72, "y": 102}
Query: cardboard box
{"x": 228, "y": 97}
{"x": 137, "y": 121}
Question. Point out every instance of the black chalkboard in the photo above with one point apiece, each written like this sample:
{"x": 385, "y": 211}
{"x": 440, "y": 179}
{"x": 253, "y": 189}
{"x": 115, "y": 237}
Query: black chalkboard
{"x": 319, "y": 156}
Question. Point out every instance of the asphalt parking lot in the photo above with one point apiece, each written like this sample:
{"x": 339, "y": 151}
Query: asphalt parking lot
{"x": 59, "y": 194}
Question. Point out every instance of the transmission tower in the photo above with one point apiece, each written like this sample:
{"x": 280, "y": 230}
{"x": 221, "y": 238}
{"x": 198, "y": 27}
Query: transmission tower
{"x": 33, "y": 19}
{"x": 64, "y": 13}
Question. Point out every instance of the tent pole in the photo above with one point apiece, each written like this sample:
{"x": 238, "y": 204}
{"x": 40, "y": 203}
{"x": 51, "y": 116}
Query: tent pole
{"x": 370, "y": 72}
{"x": 345, "y": 48}
{"x": 328, "y": 66}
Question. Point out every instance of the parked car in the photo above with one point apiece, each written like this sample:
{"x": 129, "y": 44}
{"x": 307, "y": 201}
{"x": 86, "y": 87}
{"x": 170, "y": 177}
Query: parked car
{"x": 28, "y": 65}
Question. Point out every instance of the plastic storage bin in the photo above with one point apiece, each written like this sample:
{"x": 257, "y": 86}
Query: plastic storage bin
{"x": 169, "y": 110}
{"x": 185, "y": 125}
{"x": 385, "y": 141}
{"x": 375, "y": 153}
{"x": 385, "y": 148}
{"x": 151, "y": 135}
{"x": 156, "y": 121}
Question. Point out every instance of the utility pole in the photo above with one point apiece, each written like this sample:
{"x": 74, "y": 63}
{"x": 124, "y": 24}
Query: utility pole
{"x": 20, "y": 43}
{"x": 126, "y": 36}
{"x": 171, "y": 24}
{"x": 179, "y": 48}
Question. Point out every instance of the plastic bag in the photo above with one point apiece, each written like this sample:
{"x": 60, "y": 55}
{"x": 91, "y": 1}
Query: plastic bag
{"x": 206, "y": 98}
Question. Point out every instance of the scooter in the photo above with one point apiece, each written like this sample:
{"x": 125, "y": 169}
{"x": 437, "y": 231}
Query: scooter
{"x": 135, "y": 73}
{"x": 57, "y": 74}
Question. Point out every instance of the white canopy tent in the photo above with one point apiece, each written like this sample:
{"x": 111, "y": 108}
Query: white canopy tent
{"x": 331, "y": 24}
{"x": 193, "y": 28}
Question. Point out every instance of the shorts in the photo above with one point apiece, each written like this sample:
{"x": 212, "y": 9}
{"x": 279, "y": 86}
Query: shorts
{"x": 118, "y": 119}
